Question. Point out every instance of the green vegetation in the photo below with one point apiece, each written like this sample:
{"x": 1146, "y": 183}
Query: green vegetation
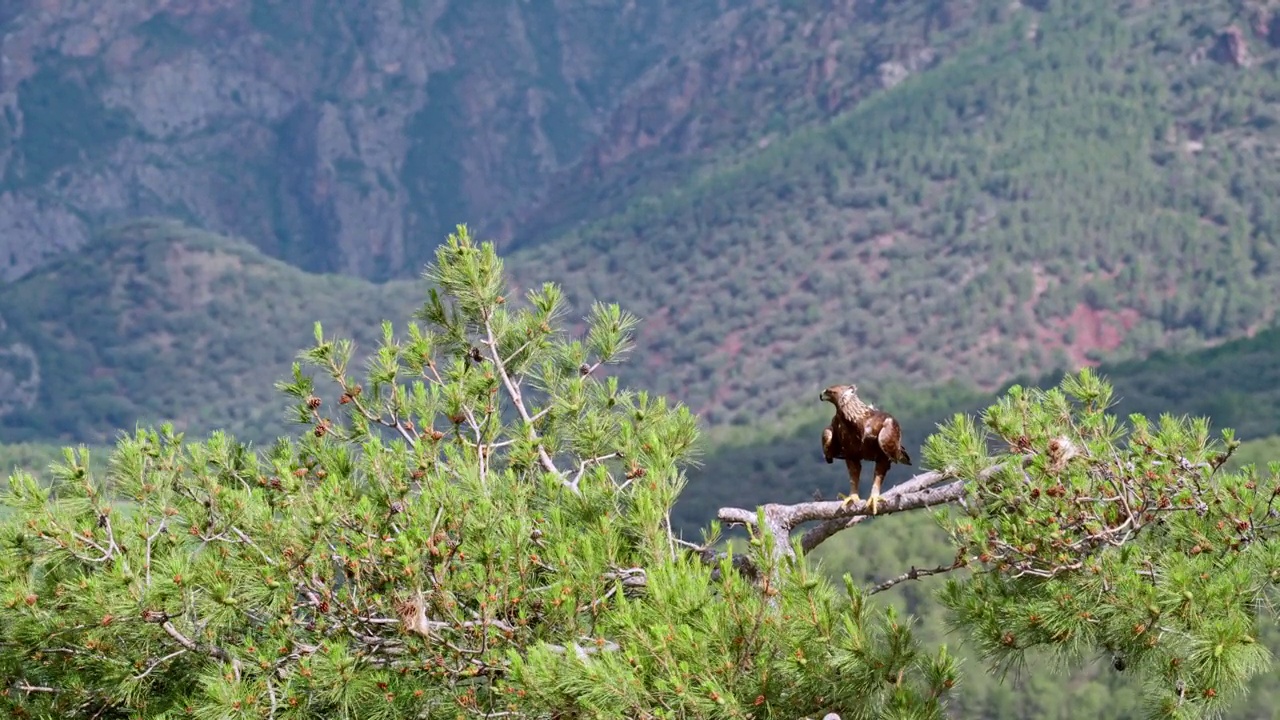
{"x": 1088, "y": 181}
{"x": 1259, "y": 453}
{"x": 158, "y": 322}
{"x": 35, "y": 460}
{"x": 32, "y": 458}
{"x": 1041, "y": 690}
{"x": 1072, "y": 184}
{"x": 478, "y": 523}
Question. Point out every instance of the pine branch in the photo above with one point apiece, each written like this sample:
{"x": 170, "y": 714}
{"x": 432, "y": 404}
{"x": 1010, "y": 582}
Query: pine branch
{"x": 212, "y": 651}
{"x": 816, "y": 536}
{"x": 914, "y": 573}
{"x": 919, "y": 492}
{"x": 516, "y": 399}
{"x": 22, "y": 686}
{"x": 583, "y": 652}
{"x": 158, "y": 662}
{"x": 586, "y": 463}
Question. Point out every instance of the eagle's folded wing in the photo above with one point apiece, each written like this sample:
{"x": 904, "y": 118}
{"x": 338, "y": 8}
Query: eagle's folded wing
{"x": 890, "y": 438}
{"x": 830, "y": 448}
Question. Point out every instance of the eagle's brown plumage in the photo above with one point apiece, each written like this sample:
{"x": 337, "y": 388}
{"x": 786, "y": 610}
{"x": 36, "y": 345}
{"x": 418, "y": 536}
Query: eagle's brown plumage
{"x": 860, "y": 432}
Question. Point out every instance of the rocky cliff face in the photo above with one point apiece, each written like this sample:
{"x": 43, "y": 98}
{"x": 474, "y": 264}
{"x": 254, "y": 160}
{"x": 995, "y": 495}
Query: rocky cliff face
{"x": 351, "y": 137}
{"x": 339, "y": 136}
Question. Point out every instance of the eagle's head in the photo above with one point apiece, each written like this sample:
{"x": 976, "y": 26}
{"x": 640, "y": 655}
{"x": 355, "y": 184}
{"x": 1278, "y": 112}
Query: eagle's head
{"x": 833, "y": 393}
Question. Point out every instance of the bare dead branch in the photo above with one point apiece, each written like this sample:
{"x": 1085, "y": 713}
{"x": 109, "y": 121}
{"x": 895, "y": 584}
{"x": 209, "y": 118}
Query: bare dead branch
{"x": 914, "y": 573}
{"x": 924, "y": 481}
{"x": 586, "y": 463}
{"x": 27, "y": 688}
{"x": 246, "y": 540}
{"x": 925, "y": 490}
{"x": 212, "y": 651}
{"x": 919, "y": 492}
{"x": 585, "y": 651}
{"x": 158, "y": 662}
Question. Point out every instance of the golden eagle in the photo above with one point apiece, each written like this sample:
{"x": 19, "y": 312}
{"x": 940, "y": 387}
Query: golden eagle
{"x": 861, "y": 432}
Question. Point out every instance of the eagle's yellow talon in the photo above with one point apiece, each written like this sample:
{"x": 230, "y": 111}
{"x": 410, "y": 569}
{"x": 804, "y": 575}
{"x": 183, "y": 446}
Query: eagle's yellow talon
{"x": 874, "y": 502}
{"x": 848, "y": 500}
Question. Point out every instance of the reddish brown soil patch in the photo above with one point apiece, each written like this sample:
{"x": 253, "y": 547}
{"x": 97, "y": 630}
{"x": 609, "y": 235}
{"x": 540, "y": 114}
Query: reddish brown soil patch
{"x": 1094, "y": 329}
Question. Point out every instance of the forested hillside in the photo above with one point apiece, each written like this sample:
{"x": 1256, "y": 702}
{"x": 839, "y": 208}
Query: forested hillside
{"x": 1090, "y": 180}
{"x": 155, "y": 321}
{"x": 159, "y": 322}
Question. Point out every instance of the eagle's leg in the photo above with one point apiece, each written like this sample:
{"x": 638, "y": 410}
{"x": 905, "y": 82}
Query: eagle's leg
{"x": 882, "y": 469}
{"x": 855, "y": 474}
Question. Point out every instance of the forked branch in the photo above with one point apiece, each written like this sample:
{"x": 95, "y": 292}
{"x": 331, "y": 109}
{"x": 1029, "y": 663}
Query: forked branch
{"x": 513, "y": 391}
{"x": 925, "y": 490}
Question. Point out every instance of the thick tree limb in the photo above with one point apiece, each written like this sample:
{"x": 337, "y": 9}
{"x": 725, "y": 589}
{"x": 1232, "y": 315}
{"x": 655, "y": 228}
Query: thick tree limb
{"x": 925, "y": 490}
{"x": 920, "y": 483}
{"x": 932, "y": 497}
{"x": 921, "y": 491}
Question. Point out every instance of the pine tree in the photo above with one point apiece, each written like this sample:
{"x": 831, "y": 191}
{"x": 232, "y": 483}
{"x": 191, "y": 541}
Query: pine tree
{"x": 1092, "y": 536}
{"x": 477, "y": 525}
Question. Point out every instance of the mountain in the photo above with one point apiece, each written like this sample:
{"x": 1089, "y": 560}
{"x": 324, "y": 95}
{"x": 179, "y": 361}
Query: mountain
{"x": 899, "y": 194}
{"x": 760, "y": 73}
{"x": 338, "y": 136}
{"x": 351, "y": 138}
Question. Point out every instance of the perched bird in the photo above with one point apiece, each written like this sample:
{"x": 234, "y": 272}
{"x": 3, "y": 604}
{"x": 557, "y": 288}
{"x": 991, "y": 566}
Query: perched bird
{"x": 858, "y": 432}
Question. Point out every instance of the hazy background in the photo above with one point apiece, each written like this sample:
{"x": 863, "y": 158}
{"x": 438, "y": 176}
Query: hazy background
{"x": 931, "y": 198}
